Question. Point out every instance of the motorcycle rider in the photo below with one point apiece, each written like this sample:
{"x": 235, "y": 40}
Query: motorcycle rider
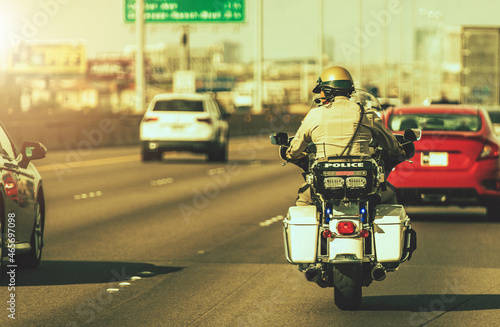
{"x": 333, "y": 128}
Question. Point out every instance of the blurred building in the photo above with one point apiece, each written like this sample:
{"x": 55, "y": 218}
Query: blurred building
{"x": 480, "y": 76}
{"x": 231, "y": 52}
{"x": 49, "y": 75}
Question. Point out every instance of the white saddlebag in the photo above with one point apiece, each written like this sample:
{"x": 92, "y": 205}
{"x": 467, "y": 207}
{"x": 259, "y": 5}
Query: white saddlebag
{"x": 300, "y": 233}
{"x": 390, "y": 225}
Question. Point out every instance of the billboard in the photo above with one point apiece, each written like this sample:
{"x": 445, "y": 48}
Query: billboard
{"x": 110, "y": 69}
{"x": 47, "y": 58}
{"x": 188, "y": 11}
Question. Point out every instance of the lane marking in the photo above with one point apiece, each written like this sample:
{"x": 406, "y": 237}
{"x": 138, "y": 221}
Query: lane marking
{"x": 270, "y": 221}
{"x": 90, "y": 163}
{"x": 163, "y": 181}
{"x": 216, "y": 171}
{"x": 85, "y": 196}
{"x": 134, "y": 157}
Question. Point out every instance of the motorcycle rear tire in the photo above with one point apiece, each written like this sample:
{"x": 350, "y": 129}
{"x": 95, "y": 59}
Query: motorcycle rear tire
{"x": 348, "y": 279}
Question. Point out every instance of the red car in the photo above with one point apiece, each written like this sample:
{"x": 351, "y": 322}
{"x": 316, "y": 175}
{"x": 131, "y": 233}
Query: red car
{"x": 456, "y": 160}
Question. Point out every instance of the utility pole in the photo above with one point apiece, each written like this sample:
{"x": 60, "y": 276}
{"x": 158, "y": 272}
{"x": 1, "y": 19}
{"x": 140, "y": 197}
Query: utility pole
{"x": 360, "y": 27}
{"x": 140, "y": 80}
{"x": 320, "y": 37}
{"x": 257, "y": 97}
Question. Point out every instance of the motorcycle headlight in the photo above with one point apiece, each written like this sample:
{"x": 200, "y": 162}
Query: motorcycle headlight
{"x": 355, "y": 182}
{"x": 334, "y": 182}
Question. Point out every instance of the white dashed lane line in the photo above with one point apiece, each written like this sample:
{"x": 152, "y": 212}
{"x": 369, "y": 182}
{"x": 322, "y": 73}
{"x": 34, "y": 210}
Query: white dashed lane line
{"x": 256, "y": 163}
{"x": 85, "y": 196}
{"x": 268, "y": 222}
{"x": 125, "y": 284}
{"x": 222, "y": 170}
{"x": 161, "y": 182}
{"x": 216, "y": 171}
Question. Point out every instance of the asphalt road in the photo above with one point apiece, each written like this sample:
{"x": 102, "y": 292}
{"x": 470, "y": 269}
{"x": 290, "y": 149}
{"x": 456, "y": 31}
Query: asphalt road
{"x": 185, "y": 242}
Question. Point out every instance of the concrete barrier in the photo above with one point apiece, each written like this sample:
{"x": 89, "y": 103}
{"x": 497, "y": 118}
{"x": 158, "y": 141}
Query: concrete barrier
{"x": 80, "y": 132}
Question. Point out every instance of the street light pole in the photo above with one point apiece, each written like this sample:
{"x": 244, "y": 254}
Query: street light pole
{"x": 360, "y": 27}
{"x": 257, "y": 106}
{"x": 139, "y": 56}
{"x": 320, "y": 37}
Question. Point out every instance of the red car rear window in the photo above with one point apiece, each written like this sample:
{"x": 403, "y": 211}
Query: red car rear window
{"x": 436, "y": 122}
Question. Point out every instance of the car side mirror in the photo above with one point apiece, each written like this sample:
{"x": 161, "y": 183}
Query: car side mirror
{"x": 279, "y": 138}
{"x": 31, "y": 151}
{"x": 412, "y": 135}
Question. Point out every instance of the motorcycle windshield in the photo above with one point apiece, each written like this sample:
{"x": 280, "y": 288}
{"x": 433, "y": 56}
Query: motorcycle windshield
{"x": 366, "y": 99}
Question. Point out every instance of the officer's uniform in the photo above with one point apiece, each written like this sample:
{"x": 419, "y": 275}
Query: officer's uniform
{"x": 331, "y": 126}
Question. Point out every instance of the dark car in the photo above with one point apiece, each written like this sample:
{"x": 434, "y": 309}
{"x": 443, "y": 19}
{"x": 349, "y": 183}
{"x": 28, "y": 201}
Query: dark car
{"x": 22, "y": 212}
{"x": 456, "y": 161}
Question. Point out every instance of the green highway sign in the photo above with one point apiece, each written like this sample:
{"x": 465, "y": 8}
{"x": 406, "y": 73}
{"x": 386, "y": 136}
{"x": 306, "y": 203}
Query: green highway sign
{"x": 188, "y": 11}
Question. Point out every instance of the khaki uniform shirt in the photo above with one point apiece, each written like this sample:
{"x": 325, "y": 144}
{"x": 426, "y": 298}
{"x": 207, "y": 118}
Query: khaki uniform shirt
{"x": 331, "y": 126}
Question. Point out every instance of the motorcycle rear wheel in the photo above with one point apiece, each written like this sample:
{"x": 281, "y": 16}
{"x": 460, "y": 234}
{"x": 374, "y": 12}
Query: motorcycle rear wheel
{"x": 348, "y": 279}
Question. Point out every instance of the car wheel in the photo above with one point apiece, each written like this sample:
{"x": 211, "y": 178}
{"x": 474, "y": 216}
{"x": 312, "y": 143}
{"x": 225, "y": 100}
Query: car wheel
{"x": 33, "y": 258}
{"x": 148, "y": 156}
{"x": 493, "y": 211}
{"x": 218, "y": 154}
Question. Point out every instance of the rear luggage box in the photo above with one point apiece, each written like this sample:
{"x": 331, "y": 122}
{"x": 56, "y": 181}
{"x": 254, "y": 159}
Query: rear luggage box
{"x": 300, "y": 233}
{"x": 390, "y": 225}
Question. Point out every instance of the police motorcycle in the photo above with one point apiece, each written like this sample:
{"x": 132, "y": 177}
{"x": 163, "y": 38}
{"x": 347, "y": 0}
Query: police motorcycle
{"x": 348, "y": 238}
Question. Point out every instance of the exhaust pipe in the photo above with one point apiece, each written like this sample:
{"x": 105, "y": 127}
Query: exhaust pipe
{"x": 379, "y": 273}
{"x": 312, "y": 274}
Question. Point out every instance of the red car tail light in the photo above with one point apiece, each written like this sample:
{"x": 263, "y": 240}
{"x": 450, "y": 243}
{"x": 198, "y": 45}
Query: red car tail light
{"x": 150, "y": 119}
{"x": 346, "y": 228}
{"x": 490, "y": 150}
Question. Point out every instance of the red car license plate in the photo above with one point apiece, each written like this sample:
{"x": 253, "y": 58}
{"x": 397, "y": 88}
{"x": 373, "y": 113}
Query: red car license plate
{"x": 434, "y": 159}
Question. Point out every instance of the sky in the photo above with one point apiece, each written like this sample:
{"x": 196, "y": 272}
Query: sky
{"x": 290, "y": 27}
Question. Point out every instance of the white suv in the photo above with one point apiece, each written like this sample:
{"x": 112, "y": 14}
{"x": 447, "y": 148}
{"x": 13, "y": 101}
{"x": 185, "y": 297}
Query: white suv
{"x": 184, "y": 122}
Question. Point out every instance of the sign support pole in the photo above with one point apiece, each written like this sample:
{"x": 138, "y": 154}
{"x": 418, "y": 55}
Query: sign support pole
{"x": 140, "y": 84}
{"x": 185, "y": 64}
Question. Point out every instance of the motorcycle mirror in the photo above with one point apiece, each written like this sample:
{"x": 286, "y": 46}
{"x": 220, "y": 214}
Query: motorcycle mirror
{"x": 279, "y": 138}
{"x": 412, "y": 135}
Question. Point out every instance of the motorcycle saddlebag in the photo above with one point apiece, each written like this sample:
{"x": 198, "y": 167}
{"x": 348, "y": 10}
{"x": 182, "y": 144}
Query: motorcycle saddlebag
{"x": 300, "y": 233}
{"x": 390, "y": 226}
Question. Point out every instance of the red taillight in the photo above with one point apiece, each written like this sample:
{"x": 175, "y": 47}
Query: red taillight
{"x": 490, "y": 150}
{"x": 364, "y": 233}
{"x": 207, "y": 120}
{"x": 327, "y": 233}
{"x": 346, "y": 228}
{"x": 9, "y": 186}
{"x": 150, "y": 119}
